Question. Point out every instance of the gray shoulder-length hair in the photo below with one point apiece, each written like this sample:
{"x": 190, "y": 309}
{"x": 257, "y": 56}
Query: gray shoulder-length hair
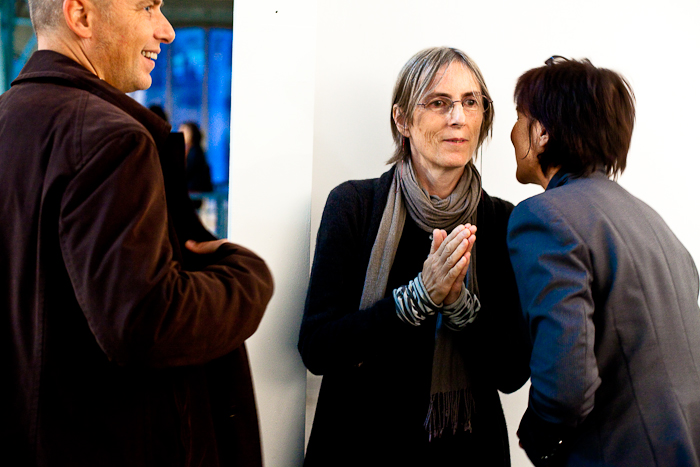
{"x": 414, "y": 81}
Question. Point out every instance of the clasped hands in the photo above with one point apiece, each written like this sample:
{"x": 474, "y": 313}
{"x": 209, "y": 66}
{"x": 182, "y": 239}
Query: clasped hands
{"x": 448, "y": 262}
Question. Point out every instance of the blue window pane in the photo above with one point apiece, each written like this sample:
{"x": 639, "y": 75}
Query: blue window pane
{"x": 187, "y": 64}
{"x": 219, "y": 88}
{"x": 179, "y": 87}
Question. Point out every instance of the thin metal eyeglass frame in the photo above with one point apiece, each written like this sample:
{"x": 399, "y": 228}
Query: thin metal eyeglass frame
{"x": 464, "y": 109}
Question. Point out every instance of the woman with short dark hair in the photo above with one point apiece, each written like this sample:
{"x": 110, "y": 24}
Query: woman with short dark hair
{"x": 588, "y": 113}
{"x": 414, "y": 324}
{"x": 610, "y": 295}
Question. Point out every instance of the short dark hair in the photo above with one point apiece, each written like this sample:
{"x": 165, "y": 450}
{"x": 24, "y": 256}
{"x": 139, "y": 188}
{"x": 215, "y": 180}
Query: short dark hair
{"x": 588, "y": 113}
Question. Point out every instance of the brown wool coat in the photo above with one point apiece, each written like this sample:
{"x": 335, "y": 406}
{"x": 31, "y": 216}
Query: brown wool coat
{"x": 119, "y": 347}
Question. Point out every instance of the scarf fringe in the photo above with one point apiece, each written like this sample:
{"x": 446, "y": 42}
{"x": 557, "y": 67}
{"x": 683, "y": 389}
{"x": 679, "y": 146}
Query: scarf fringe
{"x": 449, "y": 410}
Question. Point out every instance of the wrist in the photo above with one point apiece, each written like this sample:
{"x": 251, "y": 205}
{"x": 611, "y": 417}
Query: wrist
{"x": 462, "y": 311}
{"x": 413, "y": 303}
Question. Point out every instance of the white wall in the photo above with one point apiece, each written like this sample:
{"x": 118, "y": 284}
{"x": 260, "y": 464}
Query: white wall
{"x": 353, "y": 60}
{"x": 270, "y": 196}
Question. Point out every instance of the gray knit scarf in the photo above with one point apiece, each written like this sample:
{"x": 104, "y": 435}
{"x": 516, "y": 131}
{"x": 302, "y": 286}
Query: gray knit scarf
{"x": 451, "y": 400}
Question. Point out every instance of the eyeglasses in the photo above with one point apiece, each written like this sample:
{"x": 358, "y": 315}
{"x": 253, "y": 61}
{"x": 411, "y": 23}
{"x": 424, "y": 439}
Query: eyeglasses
{"x": 444, "y": 106}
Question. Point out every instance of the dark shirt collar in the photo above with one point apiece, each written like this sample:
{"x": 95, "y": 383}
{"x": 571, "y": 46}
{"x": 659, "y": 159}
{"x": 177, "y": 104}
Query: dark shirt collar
{"x": 50, "y": 66}
{"x": 559, "y": 178}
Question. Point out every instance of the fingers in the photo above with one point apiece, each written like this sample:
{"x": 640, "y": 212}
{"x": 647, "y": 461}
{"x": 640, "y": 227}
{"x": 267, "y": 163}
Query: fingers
{"x": 461, "y": 268}
{"x": 449, "y": 238}
{"x": 438, "y": 237}
{"x": 460, "y": 250}
{"x": 439, "y": 282}
{"x": 456, "y": 240}
{"x": 456, "y": 271}
{"x": 447, "y": 263}
{"x": 436, "y": 241}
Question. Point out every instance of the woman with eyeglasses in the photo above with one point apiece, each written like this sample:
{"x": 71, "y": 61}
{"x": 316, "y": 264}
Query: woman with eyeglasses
{"x": 609, "y": 293}
{"x": 413, "y": 323}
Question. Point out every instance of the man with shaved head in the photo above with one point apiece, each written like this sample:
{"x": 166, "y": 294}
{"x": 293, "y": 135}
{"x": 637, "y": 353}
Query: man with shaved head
{"x": 123, "y": 319}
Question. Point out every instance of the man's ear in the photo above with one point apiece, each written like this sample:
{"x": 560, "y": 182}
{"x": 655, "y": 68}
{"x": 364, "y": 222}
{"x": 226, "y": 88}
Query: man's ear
{"x": 540, "y": 137}
{"x": 79, "y": 16}
{"x": 400, "y": 121}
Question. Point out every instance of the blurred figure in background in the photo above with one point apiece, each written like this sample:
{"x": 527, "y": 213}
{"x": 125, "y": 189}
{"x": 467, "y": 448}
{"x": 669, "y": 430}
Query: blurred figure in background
{"x": 158, "y": 110}
{"x": 198, "y": 173}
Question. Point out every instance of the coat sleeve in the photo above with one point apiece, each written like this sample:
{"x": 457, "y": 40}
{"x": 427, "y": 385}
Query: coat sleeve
{"x": 335, "y": 334}
{"x": 553, "y": 270}
{"x": 142, "y": 307}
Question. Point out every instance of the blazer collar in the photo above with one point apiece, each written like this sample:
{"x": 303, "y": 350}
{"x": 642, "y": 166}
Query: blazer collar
{"x": 562, "y": 177}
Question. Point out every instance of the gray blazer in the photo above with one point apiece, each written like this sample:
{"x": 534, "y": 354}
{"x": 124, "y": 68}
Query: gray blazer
{"x": 610, "y": 296}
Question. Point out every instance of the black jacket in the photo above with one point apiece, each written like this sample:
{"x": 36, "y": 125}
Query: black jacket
{"x": 376, "y": 369}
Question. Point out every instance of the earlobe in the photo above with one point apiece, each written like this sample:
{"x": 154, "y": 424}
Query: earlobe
{"x": 78, "y": 17}
{"x": 542, "y": 136}
{"x": 400, "y": 121}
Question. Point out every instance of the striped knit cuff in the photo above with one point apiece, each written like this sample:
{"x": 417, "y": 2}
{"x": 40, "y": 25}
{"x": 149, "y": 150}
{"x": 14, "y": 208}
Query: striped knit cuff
{"x": 413, "y": 303}
{"x": 462, "y": 312}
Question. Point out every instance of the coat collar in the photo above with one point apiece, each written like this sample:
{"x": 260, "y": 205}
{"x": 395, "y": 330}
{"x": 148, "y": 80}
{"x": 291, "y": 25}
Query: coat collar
{"x": 50, "y": 66}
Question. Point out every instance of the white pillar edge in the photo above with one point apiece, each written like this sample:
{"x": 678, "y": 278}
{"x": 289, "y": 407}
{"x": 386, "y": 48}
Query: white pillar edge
{"x": 272, "y": 121}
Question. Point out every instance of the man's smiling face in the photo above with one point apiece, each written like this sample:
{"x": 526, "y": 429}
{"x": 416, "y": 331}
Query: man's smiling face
{"x": 128, "y": 42}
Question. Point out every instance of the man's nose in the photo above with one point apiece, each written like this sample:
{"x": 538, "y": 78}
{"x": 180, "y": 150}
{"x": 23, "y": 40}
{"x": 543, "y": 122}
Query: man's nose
{"x": 165, "y": 32}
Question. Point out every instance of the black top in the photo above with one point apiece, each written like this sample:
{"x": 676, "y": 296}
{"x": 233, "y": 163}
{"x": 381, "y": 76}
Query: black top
{"x": 376, "y": 387}
{"x": 198, "y": 173}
